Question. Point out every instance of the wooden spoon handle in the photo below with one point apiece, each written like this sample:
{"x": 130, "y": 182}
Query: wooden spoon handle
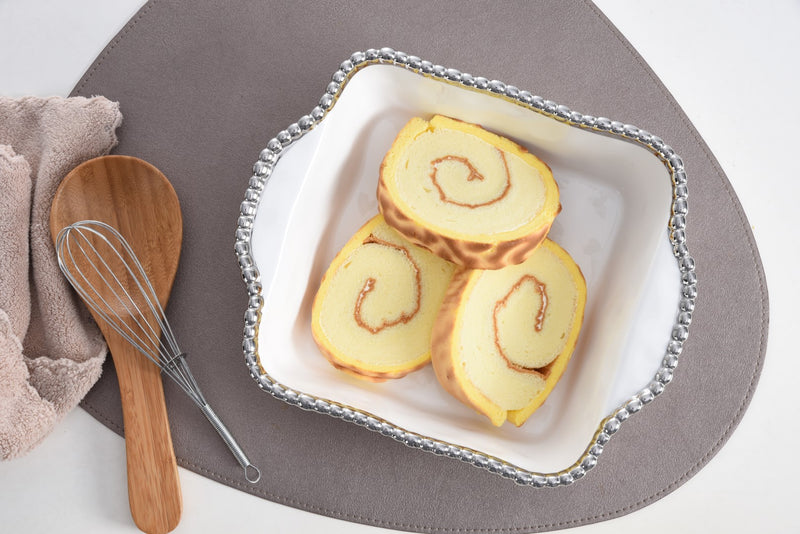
{"x": 154, "y": 490}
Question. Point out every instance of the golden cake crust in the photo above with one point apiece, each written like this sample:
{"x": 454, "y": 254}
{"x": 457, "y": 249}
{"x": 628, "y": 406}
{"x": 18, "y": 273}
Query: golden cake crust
{"x": 358, "y": 372}
{"x": 485, "y": 251}
{"x": 443, "y": 354}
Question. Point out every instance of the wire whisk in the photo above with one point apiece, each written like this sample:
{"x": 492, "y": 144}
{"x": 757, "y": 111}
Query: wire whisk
{"x": 129, "y": 304}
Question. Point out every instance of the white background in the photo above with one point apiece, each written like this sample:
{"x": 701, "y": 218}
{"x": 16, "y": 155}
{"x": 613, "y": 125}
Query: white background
{"x": 731, "y": 65}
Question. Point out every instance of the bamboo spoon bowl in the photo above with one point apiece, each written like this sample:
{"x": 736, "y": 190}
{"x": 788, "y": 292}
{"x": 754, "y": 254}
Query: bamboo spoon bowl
{"x": 135, "y": 198}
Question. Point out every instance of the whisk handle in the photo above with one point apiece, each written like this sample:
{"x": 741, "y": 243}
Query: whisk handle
{"x": 251, "y": 472}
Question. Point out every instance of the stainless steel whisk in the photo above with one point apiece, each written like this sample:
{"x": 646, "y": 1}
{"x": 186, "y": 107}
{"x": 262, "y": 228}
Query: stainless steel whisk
{"x": 130, "y": 306}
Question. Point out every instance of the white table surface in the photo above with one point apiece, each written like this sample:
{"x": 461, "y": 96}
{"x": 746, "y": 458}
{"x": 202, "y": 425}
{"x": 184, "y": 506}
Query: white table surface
{"x": 733, "y": 68}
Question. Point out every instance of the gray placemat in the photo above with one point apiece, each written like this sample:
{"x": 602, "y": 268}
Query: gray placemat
{"x": 202, "y": 88}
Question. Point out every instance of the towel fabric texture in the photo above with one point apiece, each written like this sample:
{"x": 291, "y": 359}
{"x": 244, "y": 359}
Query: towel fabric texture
{"x": 51, "y": 352}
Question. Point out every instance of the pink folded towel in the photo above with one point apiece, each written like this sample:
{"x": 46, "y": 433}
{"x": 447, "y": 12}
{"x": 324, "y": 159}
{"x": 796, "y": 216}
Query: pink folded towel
{"x": 51, "y": 352}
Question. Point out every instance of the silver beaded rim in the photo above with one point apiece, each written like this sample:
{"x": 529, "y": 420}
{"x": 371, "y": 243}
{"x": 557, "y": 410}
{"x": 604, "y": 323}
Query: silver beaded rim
{"x": 609, "y": 426}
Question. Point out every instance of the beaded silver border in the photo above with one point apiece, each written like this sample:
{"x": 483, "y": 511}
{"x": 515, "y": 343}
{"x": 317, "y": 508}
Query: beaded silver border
{"x": 269, "y": 157}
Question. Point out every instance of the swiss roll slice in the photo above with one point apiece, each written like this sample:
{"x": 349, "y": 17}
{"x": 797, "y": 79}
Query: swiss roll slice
{"x": 373, "y": 313}
{"x": 470, "y": 196}
{"x": 503, "y": 338}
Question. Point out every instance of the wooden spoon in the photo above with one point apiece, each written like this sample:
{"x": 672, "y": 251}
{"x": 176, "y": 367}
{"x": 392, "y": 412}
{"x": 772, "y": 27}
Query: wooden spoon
{"x": 135, "y": 198}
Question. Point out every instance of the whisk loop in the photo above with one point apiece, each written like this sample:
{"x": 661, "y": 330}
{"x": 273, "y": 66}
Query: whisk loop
{"x": 129, "y": 304}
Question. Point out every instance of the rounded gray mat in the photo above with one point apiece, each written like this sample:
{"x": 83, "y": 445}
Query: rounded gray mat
{"x": 203, "y": 88}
